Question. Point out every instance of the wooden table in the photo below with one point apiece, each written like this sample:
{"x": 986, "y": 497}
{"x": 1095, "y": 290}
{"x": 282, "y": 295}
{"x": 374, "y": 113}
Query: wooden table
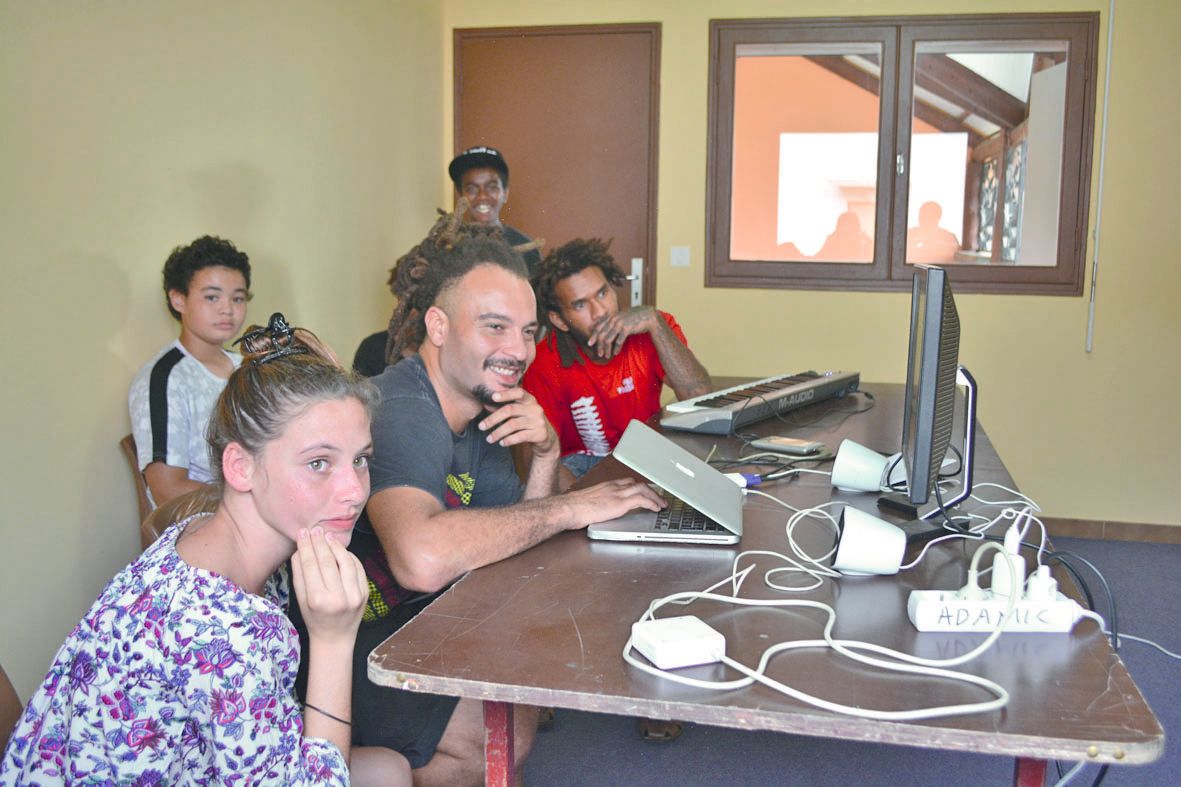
{"x": 547, "y": 628}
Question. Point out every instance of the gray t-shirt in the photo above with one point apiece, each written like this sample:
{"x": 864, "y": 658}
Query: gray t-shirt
{"x": 414, "y": 446}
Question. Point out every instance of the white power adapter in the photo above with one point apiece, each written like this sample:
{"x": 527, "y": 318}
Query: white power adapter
{"x": 671, "y": 643}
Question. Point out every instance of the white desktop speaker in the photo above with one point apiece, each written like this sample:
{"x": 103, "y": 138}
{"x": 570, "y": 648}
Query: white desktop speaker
{"x": 868, "y": 545}
{"x": 857, "y": 468}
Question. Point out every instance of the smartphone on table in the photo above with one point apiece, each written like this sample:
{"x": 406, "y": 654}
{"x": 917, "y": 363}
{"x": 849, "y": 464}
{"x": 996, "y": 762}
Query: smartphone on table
{"x": 791, "y": 446}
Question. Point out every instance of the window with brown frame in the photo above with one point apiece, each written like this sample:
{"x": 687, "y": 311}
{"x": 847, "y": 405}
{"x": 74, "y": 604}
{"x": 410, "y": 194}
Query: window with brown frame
{"x": 842, "y": 151}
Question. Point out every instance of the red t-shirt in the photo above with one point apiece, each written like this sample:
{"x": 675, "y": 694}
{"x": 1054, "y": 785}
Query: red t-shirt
{"x": 590, "y": 404}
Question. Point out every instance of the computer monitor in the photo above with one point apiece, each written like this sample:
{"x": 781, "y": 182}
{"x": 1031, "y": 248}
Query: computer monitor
{"x": 932, "y": 374}
{"x": 930, "y": 380}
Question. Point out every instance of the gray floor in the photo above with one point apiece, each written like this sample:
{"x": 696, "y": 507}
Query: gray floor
{"x": 596, "y": 749}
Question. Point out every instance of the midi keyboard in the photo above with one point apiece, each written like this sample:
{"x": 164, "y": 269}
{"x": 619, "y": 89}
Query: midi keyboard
{"x": 722, "y": 412}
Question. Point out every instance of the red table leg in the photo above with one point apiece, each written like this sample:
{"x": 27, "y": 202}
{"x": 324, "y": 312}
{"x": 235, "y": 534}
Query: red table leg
{"x": 498, "y": 744}
{"x": 1029, "y": 772}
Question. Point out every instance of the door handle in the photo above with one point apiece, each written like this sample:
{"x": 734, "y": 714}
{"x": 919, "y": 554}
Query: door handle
{"x": 637, "y": 280}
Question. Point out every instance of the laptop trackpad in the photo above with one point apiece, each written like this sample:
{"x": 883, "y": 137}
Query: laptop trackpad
{"x": 635, "y": 521}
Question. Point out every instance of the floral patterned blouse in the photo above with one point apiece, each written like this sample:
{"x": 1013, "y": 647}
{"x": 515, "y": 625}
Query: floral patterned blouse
{"x": 175, "y": 675}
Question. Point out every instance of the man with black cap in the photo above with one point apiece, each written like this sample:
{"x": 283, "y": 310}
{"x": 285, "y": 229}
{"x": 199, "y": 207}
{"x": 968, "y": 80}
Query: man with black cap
{"x": 480, "y": 175}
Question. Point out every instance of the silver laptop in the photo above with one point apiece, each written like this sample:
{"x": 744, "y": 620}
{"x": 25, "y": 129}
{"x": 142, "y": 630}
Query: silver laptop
{"x": 704, "y": 507}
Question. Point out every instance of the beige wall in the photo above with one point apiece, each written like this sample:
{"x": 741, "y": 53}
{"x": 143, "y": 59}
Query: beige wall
{"x": 1088, "y": 435}
{"x": 307, "y": 132}
{"x": 315, "y": 134}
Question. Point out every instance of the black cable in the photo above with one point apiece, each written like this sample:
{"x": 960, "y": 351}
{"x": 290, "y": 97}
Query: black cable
{"x": 959, "y": 466}
{"x": 795, "y": 421}
{"x": 781, "y": 465}
{"x": 1078, "y": 579}
{"x": 1113, "y": 617}
{"x": 1064, "y": 558}
{"x": 1061, "y": 556}
{"x": 749, "y": 399}
{"x": 790, "y": 465}
{"x": 742, "y": 461}
{"x": 947, "y": 520}
{"x": 1070, "y": 568}
{"x": 897, "y": 486}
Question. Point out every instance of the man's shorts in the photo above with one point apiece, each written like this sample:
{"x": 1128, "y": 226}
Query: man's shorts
{"x": 405, "y": 721}
{"x": 580, "y": 464}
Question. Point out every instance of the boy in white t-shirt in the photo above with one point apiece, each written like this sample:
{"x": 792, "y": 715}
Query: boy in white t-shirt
{"x": 207, "y": 285}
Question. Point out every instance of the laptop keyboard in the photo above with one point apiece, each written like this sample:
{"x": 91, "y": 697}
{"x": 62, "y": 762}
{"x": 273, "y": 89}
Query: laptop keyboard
{"x": 679, "y": 517}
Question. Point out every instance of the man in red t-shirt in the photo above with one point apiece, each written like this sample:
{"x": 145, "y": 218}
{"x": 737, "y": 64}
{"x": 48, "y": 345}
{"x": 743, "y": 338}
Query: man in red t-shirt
{"x": 600, "y": 367}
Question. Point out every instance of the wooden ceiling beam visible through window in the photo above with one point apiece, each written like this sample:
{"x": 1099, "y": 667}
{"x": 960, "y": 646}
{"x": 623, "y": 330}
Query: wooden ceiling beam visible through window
{"x": 963, "y": 86}
{"x": 930, "y": 115}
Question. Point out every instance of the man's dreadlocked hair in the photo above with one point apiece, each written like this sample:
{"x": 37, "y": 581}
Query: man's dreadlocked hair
{"x": 567, "y": 260}
{"x": 407, "y": 277}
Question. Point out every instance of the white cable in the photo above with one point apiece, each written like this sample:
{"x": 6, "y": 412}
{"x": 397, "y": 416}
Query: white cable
{"x": 1023, "y": 499}
{"x": 1148, "y": 642}
{"x": 774, "y": 458}
{"x": 769, "y": 456}
{"x": 811, "y": 565}
{"x": 899, "y": 661}
{"x": 779, "y": 475}
{"x": 1102, "y": 166}
{"x": 842, "y": 646}
{"x": 976, "y": 532}
{"x": 923, "y": 552}
{"x": 771, "y": 498}
{"x": 1002, "y": 696}
{"x": 1022, "y": 519}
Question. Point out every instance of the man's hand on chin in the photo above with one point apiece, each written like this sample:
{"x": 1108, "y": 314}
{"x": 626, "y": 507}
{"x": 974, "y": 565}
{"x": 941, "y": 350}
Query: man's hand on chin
{"x": 519, "y": 420}
{"x": 607, "y": 338}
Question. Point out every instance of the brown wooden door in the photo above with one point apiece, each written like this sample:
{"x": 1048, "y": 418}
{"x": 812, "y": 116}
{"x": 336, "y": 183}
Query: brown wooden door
{"x": 574, "y": 111}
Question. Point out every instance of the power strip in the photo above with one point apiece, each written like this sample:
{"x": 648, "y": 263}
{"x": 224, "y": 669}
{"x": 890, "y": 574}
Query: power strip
{"x": 945, "y": 610}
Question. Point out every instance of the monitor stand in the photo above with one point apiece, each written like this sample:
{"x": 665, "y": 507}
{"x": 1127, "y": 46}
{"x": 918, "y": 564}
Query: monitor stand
{"x": 920, "y": 531}
{"x": 919, "y": 526}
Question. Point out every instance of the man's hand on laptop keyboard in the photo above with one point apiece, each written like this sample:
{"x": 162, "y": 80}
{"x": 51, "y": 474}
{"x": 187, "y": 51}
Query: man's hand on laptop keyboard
{"x": 610, "y": 500}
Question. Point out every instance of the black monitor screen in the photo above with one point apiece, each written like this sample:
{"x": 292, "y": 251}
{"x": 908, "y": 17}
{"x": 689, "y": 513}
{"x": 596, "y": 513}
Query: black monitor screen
{"x": 930, "y": 380}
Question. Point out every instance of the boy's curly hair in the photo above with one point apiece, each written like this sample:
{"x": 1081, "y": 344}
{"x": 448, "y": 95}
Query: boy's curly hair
{"x": 205, "y": 252}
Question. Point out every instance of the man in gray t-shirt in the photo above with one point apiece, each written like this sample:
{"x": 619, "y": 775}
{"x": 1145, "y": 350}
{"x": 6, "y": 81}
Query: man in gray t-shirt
{"x": 445, "y": 497}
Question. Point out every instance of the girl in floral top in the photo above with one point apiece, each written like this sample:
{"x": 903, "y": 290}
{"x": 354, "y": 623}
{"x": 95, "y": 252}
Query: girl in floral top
{"x": 183, "y": 670}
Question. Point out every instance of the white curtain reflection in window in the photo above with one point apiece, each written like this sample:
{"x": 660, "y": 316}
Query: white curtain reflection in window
{"x": 826, "y": 190}
{"x": 823, "y": 180}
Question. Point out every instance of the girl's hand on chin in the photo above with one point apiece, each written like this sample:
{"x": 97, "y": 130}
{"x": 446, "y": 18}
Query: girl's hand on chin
{"x": 330, "y": 585}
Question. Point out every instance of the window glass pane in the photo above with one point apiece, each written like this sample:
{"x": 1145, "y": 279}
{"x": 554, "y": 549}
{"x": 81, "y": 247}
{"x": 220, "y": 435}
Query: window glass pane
{"x": 986, "y": 153}
{"x": 805, "y": 153}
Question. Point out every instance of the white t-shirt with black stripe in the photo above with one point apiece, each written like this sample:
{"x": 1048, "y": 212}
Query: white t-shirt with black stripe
{"x": 170, "y": 403}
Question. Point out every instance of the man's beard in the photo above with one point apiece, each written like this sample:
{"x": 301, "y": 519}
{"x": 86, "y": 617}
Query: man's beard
{"x": 483, "y": 393}
{"x": 581, "y": 339}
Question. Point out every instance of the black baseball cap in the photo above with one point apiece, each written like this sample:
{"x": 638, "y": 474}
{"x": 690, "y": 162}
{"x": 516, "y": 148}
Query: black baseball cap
{"x": 479, "y": 156}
